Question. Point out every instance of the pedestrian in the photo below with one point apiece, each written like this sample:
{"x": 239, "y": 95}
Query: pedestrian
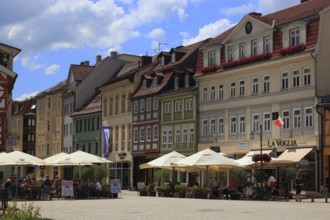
{"x": 98, "y": 188}
{"x": 298, "y": 184}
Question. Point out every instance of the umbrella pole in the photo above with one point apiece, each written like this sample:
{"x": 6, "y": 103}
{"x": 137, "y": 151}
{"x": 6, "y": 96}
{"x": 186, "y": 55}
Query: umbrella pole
{"x": 207, "y": 174}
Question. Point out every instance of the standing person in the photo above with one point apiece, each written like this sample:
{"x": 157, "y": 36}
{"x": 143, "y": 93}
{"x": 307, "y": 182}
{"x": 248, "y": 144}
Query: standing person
{"x": 8, "y": 189}
{"x": 98, "y": 188}
{"x": 298, "y": 184}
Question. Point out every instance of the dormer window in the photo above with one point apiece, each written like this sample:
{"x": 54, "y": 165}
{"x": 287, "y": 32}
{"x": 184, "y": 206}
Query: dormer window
{"x": 266, "y": 44}
{"x": 173, "y": 57}
{"x": 211, "y": 58}
{"x": 155, "y": 81}
{"x": 242, "y": 50}
{"x": 187, "y": 79}
{"x": 294, "y": 37}
{"x": 162, "y": 61}
{"x": 144, "y": 84}
{"x": 176, "y": 82}
{"x": 254, "y": 47}
{"x": 230, "y": 53}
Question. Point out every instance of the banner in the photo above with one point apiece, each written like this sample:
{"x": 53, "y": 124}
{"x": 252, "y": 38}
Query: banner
{"x": 107, "y": 141}
{"x": 67, "y": 188}
{"x": 115, "y": 186}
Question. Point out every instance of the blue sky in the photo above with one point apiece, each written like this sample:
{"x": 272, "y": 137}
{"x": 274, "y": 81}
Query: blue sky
{"x": 53, "y": 34}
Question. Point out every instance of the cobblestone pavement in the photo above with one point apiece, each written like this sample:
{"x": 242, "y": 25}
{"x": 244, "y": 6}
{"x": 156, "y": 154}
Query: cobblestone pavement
{"x": 132, "y": 206}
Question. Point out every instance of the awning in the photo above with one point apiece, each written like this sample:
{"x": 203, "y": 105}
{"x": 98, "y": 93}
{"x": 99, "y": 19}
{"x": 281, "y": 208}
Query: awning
{"x": 253, "y": 152}
{"x": 294, "y": 154}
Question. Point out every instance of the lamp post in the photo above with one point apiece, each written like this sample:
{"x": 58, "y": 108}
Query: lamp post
{"x": 261, "y": 158}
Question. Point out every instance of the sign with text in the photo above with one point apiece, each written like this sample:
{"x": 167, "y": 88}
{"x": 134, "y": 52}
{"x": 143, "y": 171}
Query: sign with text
{"x": 115, "y": 186}
{"x": 67, "y": 188}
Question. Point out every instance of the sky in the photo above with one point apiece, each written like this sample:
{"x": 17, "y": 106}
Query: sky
{"x": 53, "y": 34}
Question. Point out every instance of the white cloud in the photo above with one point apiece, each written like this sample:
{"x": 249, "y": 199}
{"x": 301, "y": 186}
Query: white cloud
{"x": 267, "y": 7}
{"x": 243, "y": 9}
{"x": 26, "y": 96}
{"x": 157, "y": 34}
{"x": 52, "y": 69}
{"x": 31, "y": 62}
{"x": 210, "y": 30}
{"x": 184, "y": 34}
{"x": 182, "y": 14}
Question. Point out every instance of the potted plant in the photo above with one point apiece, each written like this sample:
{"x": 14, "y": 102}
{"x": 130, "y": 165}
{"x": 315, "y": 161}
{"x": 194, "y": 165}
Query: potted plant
{"x": 143, "y": 190}
{"x": 151, "y": 189}
{"x": 165, "y": 190}
{"x": 199, "y": 192}
{"x": 180, "y": 190}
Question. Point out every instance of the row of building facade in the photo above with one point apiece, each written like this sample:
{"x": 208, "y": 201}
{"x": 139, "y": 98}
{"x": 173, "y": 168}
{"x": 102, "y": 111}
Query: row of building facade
{"x": 210, "y": 94}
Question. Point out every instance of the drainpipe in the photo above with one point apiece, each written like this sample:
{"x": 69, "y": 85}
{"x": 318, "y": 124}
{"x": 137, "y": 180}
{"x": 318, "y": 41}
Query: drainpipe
{"x": 319, "y": 156}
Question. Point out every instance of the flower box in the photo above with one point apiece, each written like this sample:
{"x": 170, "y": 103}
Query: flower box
{"x": 210, "y": 68}
{"x": 292, "y": 49}
{"x": 246, "y": 60}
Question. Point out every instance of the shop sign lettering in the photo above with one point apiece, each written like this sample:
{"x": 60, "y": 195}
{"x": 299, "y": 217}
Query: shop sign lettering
{"x": 282, "y": 143}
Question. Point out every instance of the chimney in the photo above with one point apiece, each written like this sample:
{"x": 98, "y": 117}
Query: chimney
{"x": 113, "y": 54}
{"x": 86, "y": 63}
{"x": 145, "y": 60}
{"x": 255, "y": 14}
{"x": 98, "y": 58}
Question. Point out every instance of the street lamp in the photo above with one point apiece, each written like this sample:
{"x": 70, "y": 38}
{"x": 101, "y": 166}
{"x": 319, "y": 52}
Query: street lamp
{"x": 261, "y": 157}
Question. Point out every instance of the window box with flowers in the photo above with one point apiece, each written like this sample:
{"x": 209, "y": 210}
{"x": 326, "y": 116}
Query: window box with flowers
{"x": 292, "y": 49}
{"x": 211, "y": 68}
{"x": 261, "y": 157}
{"x": 246, "y": 60}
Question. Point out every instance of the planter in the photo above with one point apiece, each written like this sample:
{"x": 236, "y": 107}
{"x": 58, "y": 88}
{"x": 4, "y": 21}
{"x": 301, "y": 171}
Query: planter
{"x": 143, "y": 193}
{"x": 200, "y": 195}
{"x": 152, "y": 193}
{"x": 179, "y": 194}
{"x": 165, "y": 194}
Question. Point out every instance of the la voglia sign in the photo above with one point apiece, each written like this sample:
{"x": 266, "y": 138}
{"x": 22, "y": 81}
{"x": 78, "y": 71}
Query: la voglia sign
{"x": 282, "y": 143}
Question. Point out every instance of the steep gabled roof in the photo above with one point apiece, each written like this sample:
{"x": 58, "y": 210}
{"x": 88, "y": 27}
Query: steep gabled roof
{"x": 94, "y": 106}
{"x": 80, "y": 71}
{"x": 61, "y": 86}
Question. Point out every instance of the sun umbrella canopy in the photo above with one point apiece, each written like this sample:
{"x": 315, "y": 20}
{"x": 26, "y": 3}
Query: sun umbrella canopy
{"x": 52, "y": 159}
{"x": 80, "y": 158}
{"x": 209, "y": 159}
{"x": 20, "y": 158}
{"x": 164, "y": 161}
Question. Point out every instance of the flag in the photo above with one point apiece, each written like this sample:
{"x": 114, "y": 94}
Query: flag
{"x": 279, "y": 122}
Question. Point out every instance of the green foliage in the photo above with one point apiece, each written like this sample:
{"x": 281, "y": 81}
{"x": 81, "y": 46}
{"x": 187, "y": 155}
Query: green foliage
{"x": 151, "y": 187}
{"x": 180, "y": 187}
{"x": 143, "y": 188}
{"x": 288, "y": 173}
{"x": 165, "y": 187}
{"x": 25, "y": 212}
{"x": 200, "y": 189}
{"x": 239, "y": 175}
{"x": 163, "y": 174}
{"x": 91, "y": 173}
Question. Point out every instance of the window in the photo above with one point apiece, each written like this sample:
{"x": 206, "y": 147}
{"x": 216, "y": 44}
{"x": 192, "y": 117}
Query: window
{"x": 233, "y": 125}
{"x": 148, "y": 133}
{"x": 105, "y": 105}
{"x": 144, "y": 84}
{"x": 254, "y": 47}
{"x": 177, "y": 136}
{"x": 162, "y": 61}
{"x": 141, "y": 134}
{"x": 189, "y": 104}
{"x": 220, "y": 126}
{"x": 242, "y": 50}
{"x": 212, "y": 127}
{"x": 230, "y": 53}
{"x": 176, "y": 82}
{"x": 123, "y": 103}
{"x": 185, "y": 136}
{"x": 294, "y": 37}
{"x": 204, "y": 126}
{"x": 296, "y": 118}
{"x": 148, "y": 104}
{"x": 155, "y": 133}
{"x": 232, "y": 90}
{"x": 142, "y": 105}
{"x": 167, "y": 107}
{"x": 267, "y": 121}
{"x": 155, "y": 81}
{"x": 285, "y": 81}
{"x": 220, "y": 92}
{"x": 211, "y": 58}
{"x": 212, "y": 93}
{"x": 136, "y": 135}
{"x": 286, "y": 119}
{"x": 117, "y": 105}
{"x": 266, "y": 84}
{"x": 295, "y": 79}
{"x": 178, "y": 107}
{"x": 49, "y": 103}
{"x": 191, "y": 135}
{"x": 241, "y": 88}
{"x": 164, "y": 137}
{"x": 308, "y": 117}
{"x": 155, "y": 102}
{"x": 307, "y": 77}
{"x": 187, "y": 81}
{"x": 173, "y": 57}
{"x": 254, "y": 86}
{"x": 170, "y": 137}
{"x": 255, "y": 122}
{"x": 136, "y": 106}
{"x": 110, "y": 105}
{"x": 242, "y": 124}
{"x": 266, "y": 44}
{"x": 205, "y": 94}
